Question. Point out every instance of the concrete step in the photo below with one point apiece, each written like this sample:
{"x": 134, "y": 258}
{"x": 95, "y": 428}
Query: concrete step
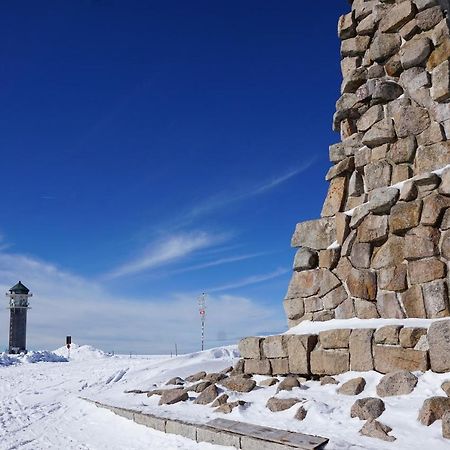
{"x": 225, "y": 432}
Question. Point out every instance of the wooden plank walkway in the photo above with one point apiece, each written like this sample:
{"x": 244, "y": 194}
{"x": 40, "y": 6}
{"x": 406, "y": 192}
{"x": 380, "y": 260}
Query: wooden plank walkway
{"x": 243, "y": 436}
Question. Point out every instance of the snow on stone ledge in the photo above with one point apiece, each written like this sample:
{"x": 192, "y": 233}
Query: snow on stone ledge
{"x": 309, "y": 327}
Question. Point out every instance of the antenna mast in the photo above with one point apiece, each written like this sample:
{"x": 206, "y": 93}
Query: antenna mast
{"x": 202, "y": 311}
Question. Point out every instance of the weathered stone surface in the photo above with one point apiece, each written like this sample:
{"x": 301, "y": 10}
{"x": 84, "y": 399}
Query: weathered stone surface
{"x": 171, "y": 396}
{"x": 421, "y": 242}
{"x": 335, "y": 197}
{"x": 288, "y": 384}
{"x": 342, "y": 227}
{"x": 334, "y": 298}
{"x": 432, "y": 157}
{"x": 227, "y": 408}
{"x": 345, "y": 310}
{"x": 424, "y": 270}
{"x": 281, "y": 404}
{"x": 249, "y": 347}
{"x": 439, "y": 342}
{"x": 313, "y": 304}
{"x": 177, "y": 381}
{"x": 428, "y": 18}
{"x": 294, "y": 308}
{"x": 408, "y": 191}
{"x": 214, "y": 377}
{"x": 381, "y": 200}
{"x": 433, "y": 409}
{"x": 438, "y": 55}
{"x": 400, "y": 173}
{"x": 368, "y": 408}
{"x": 386, "y": 91}
{"x": 403, "y": 150}
{"x": 377, "y": 430}
{"x": 207, "y": 396}
{"x": 329, "y": 258}
{"x": 381, "y": 133}
{"x": 387, "y": 335}
{"x": 401, "y": 382}
{"x": 410, "y": 336}
{"x": 199, "y": 387}
{"x": 440, "y": 90}
{"x": 365, "y": 309}
{"x": 411, "y": 120}
{"x": 329, "y": 362}
{"x": 391, "y": 359}
{"x": 322, "y": 316}
{"x": 361, "y": 254}
{"x": 341, "y": 168}
{"x": 200, "y": 375}
{"x": 279, "y": 366}
{"x": 348, "y": 65}
{"x": 393, "y": 278}
{"x": 414, "y": 78}
{"x": 426, "y": 182}
{"x": 275, "y": 346}
{"x": 384, "y": 46}
{"x": 433, "y": 134}
{"x": 391, "y": 253}
{"x": 328, "y": 380}
{"x": 315, "y": 234}
{"x": 409, "y": 30}
{"x": 370, "y": 117}
{"x": 362, "y": 284}
{"x": 353, "y": 387}
{"x": 445, "y": 386}
{"x": 388, "y": 305}
{"x": 412, "y": 300}
{"x": 380, "y": 152}
{"x": 360, "y": 345}
{"x": 299, "y": 349}
{"x": 258, "y": 366}
{"x": 415, "y": 52}
{"x": 305, "y": 259}
{"x": 238, "y": 383}
{"x": 433, "y": 209}
{"x": 362, "y": 157}
{"x": 378, "y": 175}
{"x": 356, "y": 46}
{"x": 356, "y": 185}
{"x": 446, "y": 425}
{"x": 312, "y": 282}
{"x": 444, "y": 187}
{"x": 347, "y": 26}
{"x": 397, "y": 17}
{"x": 221, "y": 400}
{"x": 405, "y": 216}
{"x": 435, "y": 298}
{"x": 331, "y": 339}
{"x": 301, "y": 413}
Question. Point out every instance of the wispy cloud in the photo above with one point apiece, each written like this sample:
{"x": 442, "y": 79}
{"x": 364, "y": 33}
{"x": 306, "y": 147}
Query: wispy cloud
{"x": 224, "y": 199}
{"x": 167, "y": 251}
{"x": 254, "y": 279}
{"x": 64, "y": 304}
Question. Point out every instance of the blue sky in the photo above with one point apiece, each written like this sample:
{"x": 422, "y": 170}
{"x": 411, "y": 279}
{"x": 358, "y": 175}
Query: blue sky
{"x": 155, "y": 150}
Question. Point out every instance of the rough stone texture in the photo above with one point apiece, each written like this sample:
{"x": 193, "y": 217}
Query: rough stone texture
{"x": 446, "y": 425}
{"x": 405, "y": 216}
{"x": 334, "y": 338}
{"x": 275, "y": 347}
{"x": 288, "y": 384}
{"x": 249, "y": 347}
{"x": 299, "y": 350}
{"x": 281, "y": 404}
{"x": 433, "y": 409}
{"x": 200, "y": 375}
{"x": 207, "y": 396}
{"x": 258, "y": 366}
{"x": 329, "y": 362}
{"x": 239, "y": 384}
{"x": 390, "y": 359}
{"x": 412, "y": 301}
{"x": 445, "y": 386}
{"x": 388, "y": 335}
{"x": 360, "y": 345}
{"x": 352, "y": 387}
{"x": 410, "y": 336}
{"x": 396, "y": 383}
{"x": 315, "y": 234}
{"x": 439, "y": 342}
{"x": 368, "y": 408}
{"x": 171, "y": 396}
{"x": 305, "y": 259}
{"x": 375, "y": 429}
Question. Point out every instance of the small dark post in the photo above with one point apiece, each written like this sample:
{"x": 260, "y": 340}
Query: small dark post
{"x": 18, "y": 306}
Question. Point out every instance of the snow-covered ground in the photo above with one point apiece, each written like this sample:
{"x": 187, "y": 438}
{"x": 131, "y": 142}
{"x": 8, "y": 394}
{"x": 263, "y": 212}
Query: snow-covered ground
{"x": 41, "y": 408}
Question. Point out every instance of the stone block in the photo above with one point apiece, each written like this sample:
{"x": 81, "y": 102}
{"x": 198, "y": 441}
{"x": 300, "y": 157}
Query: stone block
{"x": 411, "y": 120}
{"x": 362, "y": 284}
{"x": 370, "y": 118}
{"x": 356, "y": 46}
{"x": 384, "y": 92}
{"x": 405, "y": 216}
{"x": 373, "y": 228}
{"x": 361, "y": 254}
{"x": 329, "y": 362}
{"x": 401, "y": 172}
{"x": 391, "y": 253}
{"x": 334, "y": 200}
{"x": 299, "y": 350}
{"x": 398, "y": 16}
{"x": 435, "y": 298}
{"x": 415, "y": 52}
{"x": 429, "y": 18}
{"x": 432, "y": 157}
{"x": 381, "y": 133}
{"x": 421, "y": 242}
{"x": 425, "y": 270}
{"x": 433, "y": 134}
{"x": 147, "y": 420}
{"x": 315, "y": 234}
{"x": 393, "y": 278}
{"x": 356, "y": 185}
{"x": 433, "y": 209}
{"x": 342, "y": 227}
{"x": 332, "y": 339}
{"x": 334, "y": 298}
{"x": 294, "y": 308}
{"x": 391, "y": 358}
{"x": 403, "y": 150}
{"x": 250, "y": 347}
{"x": 410, "y": 336}
{"x": 275, "y": 346}
{"x": 218, "y": 437}
{"x": 329, "y": 258}
{"x": 377, "y": 174}
{"x": 444, "y": 188}
{"x": 345, "y": 310}
{"x": 280, "y": 366}
{"x": 305, "y": 259}
{"x": 384, "y": 46}
{"x": 412, "y": 300}
{"x": 382, "y": 199}
{"x": 347, "y": 26}
{"x": 341, "y": 168}
{"x": 440, "y": 90}
{"x": 439, "y": 342}
{"x": 312, "y": 282}
{"x": 184, "y": 429}
{"x": 388, "y": 305}
{"x": 440, "y": 54}
{"x": 388, "y": 335}
{"x": 365, "y": 309}
{"x": 313, "y": 304}
{"x": 360, "y": 345}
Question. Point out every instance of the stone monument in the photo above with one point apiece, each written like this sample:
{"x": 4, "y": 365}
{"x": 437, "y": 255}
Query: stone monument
{"x": 381, "y": 248}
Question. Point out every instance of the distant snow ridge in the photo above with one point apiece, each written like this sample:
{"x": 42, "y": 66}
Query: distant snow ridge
{"x": 30, "y": 358}
{"x": 82, "y": 352}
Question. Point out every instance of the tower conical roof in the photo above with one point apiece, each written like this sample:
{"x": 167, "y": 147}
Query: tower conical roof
{"x": 19, "y": 288}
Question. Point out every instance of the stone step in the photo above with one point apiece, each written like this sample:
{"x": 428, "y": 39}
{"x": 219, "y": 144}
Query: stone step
{"x": 225, "y": 432}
